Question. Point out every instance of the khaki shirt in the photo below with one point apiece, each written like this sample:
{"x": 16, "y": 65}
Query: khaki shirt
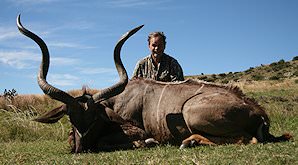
{"x": 167, "y": 70}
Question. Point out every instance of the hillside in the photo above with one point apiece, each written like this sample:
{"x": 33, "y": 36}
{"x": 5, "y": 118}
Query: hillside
{"x": 275, "y": 71}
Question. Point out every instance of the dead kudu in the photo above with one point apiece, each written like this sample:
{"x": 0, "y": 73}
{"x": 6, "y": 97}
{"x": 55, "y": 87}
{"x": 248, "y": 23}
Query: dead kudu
{"x": 189, "y": 112}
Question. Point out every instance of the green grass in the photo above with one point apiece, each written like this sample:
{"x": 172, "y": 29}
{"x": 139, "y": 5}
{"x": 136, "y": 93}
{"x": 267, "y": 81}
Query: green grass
{"x": 23, "y": 141}
{"x": 278, "y": 71}
{"x": 57, "y": 152}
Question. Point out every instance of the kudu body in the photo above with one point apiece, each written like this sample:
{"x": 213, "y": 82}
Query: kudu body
{"x": 191, "y": 112}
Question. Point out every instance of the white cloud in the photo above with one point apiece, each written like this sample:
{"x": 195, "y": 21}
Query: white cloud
{"x": 26, "y": 59}
{"x": 30, "y": 2}
{"x": 55, "y": 61}
{"x": 8, "y": 33}
{"x": 69, "y": 45}
{"x": 91, "y": 71}
{"x": 18, "y": 59}
{"x": 63, "y": 79}
{"x": 127, "y": 3}
{"x": 134, "y": 3}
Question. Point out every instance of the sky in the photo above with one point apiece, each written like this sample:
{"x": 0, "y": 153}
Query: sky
{"x": 205, "y": 36}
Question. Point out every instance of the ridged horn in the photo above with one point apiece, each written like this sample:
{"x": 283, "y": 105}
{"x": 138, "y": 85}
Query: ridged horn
{"x": 48, "y": 89}
{"x": 120, "y": 86}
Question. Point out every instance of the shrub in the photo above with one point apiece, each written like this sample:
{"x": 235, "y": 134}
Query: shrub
{"x": 224, "y": 81}
{"x": 210, "y": 79}
{"x": 202, "y": 77}
{"x": 295, "y": 58}
{"x": 10, "y": 94}
{"x": 277, "y": 66}
{"x": 274, "y": 77}
{"x": 249, "y": 70}
{"x": 257, "y": 77}
{"x": 222, "y": 75}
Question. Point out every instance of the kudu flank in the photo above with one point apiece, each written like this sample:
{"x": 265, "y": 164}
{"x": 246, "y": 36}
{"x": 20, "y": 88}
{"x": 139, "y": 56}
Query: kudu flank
{"x": 191, "y": 112}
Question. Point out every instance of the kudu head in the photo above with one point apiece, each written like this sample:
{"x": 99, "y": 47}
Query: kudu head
{"x": 86, "y": 112}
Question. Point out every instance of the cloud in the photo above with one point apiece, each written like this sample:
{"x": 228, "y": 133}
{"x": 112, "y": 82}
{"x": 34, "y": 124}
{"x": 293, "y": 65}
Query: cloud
{"x": 63, "y": 79}
{"x": 18, "y": 59}
{"x": 134, "y": 3}
{"x": 28, "y": 60}
{"x": 55, "y": 61}
{"x": 91, "y": 71}
{"x": 8, "y": 33}
{"x": 69, "y": 45}
{"x": 31, "y": 2}
{"x": 127, "y": 3}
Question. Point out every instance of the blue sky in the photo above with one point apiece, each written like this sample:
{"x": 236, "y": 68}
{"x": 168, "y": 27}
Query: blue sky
{"x": 205, "y": 36}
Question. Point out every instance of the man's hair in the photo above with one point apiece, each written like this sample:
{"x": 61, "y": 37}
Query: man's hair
{"x": 155, "y": 34}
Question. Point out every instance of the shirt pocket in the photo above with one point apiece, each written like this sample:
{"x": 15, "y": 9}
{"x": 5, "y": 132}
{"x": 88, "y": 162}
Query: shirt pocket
{"x": 164, "y": 76}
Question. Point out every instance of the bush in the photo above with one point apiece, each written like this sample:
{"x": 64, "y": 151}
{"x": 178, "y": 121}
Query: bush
{"x": 277, "y": 66}
{"x": 222, "y": 75}
{"x": 277, "y": 76}
{"x": 274, "y": 77}
{"x": 249, "y": 70}
{"x": 210, "y": 79}
{"x": 202, "y": 78}
{"x": 257, "y": 77}
{"x": 295, "y": 58}
{"x": 224, "y": 81}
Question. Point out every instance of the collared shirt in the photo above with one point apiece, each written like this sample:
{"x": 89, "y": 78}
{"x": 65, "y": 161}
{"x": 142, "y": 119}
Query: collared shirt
{"x": 167, "y": 70}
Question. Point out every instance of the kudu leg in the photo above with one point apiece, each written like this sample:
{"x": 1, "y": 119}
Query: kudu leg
{"x": 195, "y": 139}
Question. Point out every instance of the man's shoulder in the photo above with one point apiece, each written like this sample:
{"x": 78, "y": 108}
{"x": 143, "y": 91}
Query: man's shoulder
{"x": 169, "y": 58}
{"x": 144, "y": 60}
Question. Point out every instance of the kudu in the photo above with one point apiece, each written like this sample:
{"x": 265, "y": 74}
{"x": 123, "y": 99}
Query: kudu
{"x": 95, "y": 127}
{"x": 191, "y": 112}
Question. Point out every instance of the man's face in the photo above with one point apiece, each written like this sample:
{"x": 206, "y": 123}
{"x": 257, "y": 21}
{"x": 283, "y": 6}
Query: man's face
{"x": 156, "y": 46}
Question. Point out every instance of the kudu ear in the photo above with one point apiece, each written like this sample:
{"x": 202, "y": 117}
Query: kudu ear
{"x": 113, "y": 116}
{"x": 52, "y": 116}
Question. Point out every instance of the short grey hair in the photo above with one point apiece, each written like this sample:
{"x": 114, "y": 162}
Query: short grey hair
{"x": 155, "y": 34}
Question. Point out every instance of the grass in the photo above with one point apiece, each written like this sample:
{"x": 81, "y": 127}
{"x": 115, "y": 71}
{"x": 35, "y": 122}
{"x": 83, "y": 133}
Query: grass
{"x": 276, "y": 71}
{"x": 18, "y": 126}
{"x": 56, "y": 152}
{"x": 26, "y": 142}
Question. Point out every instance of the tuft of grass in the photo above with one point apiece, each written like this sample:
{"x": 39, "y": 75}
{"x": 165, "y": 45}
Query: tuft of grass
{"x": 17, "y": 125}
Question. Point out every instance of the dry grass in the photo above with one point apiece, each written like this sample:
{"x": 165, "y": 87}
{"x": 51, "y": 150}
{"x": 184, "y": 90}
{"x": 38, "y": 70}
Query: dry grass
{"x": 261, "y": 86}
{"x": 17, "y": 125}
{"x": 25, "y": 102}
{"x": 40, "y": 102}
{"x": 16, "y": 118}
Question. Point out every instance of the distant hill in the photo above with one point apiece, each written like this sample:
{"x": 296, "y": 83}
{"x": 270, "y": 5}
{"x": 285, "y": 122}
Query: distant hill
{"x": 275, "y": 71}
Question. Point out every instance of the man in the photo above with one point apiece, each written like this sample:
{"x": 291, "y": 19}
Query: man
{"x": 158, "y": 65}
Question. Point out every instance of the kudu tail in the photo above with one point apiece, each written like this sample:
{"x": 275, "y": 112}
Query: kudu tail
{"x": 282, "y": 138}
{"x": 265, "y": 137}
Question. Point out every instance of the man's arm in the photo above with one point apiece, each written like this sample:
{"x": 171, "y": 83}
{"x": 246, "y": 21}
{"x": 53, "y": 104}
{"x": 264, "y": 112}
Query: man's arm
{"x": 176, "y": 71}
{"x": 137, "y": 71}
